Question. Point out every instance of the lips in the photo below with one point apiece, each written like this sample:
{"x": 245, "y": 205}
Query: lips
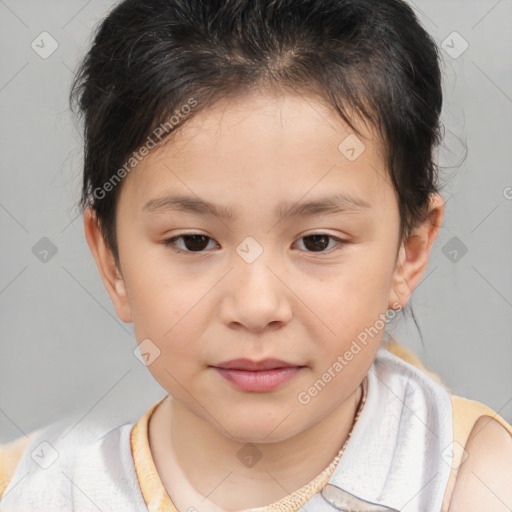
{"x": 257, "y": 376}
{"x": 249, "y": 365}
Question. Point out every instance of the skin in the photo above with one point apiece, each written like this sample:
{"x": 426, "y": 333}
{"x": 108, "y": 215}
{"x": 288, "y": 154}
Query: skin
{"x": 292, "y": 303}
{"x": 484, "y": 478}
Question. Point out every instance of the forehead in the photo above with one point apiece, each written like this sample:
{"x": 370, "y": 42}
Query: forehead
{"x": 278, "y": 145}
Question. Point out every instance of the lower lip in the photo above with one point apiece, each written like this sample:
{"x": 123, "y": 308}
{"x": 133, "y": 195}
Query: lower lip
{"x": 260, "y": 381}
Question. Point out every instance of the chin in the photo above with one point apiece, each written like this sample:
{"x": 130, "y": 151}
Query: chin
{"x": 257, "y": 430}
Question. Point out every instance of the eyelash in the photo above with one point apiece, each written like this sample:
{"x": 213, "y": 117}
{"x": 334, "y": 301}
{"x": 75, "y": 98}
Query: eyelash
{"x": 170, "y": 243}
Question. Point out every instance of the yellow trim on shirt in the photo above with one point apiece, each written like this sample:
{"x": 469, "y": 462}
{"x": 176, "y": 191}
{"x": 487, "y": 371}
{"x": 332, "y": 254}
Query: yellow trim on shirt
{"x": 153, "y": 491}
{"x": 158, "y": 500}
{"x": 465, "y": 414}
{"x": 10, "y": 455}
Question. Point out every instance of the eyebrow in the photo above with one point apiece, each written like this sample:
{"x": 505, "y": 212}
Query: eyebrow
{"x": 331, "y": 204}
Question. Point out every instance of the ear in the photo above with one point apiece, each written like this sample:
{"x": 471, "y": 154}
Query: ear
{"x": 107, "y": 266}
{"x": 414, "y": 253}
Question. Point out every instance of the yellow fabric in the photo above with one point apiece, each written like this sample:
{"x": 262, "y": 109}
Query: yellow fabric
{"x": 153, "y": 491}
{"x": 410, "y": 357}
{"x": 10, "y": 455}
{"x": 465, "y": 414}
{"x": 157, "y": 498}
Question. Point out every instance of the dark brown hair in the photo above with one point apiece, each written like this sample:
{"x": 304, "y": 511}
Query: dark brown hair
{"x": 371, "y": 58}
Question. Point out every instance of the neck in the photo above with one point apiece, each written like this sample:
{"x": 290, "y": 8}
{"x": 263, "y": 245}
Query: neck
{"x": 210, "y": 463}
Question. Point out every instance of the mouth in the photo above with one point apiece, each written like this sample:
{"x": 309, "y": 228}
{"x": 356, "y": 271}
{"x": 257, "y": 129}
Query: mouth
{"x": 257, "y": 376}
{"x": 250, "y": 365}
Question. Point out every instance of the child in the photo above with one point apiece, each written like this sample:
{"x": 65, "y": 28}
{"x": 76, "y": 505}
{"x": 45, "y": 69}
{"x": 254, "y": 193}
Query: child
{"x": 291, "y": 141}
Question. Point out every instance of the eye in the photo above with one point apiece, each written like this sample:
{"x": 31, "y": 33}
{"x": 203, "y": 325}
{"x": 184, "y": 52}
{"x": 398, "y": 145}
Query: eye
{"x": 192, "y": 242}
{"x": 319, "y": 241}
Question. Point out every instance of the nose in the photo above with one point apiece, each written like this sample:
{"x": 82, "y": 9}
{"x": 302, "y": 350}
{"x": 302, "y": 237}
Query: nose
{"x": 256, "y": 296}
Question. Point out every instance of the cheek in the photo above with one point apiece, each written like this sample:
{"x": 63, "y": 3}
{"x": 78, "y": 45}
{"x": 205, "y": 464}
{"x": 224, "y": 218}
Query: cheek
{"x": 169, "y": 320}
{"x": 161, "y": 302}
{"x": 349, "y": 306}
{"x": 353, "y": 293}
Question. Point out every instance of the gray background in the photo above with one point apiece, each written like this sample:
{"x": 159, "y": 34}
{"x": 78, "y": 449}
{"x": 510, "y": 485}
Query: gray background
{"x": 63, "y": 350}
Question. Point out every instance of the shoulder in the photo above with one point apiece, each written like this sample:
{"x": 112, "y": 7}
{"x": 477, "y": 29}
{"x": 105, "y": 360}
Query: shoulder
{"x": 46, "y": 448}
{"x": 485, "y": 475}
{"x": 481, "y": 451}
{"x": 43, "y": 461}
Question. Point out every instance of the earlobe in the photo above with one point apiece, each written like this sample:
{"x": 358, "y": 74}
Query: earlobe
{"x": 107, "y": 266}
{"x": 414, "y": 254}
{"x": 400, "y": 291}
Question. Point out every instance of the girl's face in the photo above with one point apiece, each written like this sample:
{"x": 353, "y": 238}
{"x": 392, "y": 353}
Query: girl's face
{"x": 297, "y": 263}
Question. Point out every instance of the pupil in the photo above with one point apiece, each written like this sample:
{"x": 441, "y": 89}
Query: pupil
{"x": 198, "y": 242}
{"x": 318, "y": 240}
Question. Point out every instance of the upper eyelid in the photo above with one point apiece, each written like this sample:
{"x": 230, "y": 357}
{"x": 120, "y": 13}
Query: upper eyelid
{"x": 172, "y": 239}
{"x": 191, "y": 233}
